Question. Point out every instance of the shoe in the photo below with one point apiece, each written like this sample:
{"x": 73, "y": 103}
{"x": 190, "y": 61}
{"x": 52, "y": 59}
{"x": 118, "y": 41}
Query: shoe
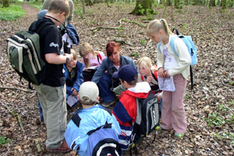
{"x": 108, "y": 104}
{"x": 179, "y": 135}
{"x": 63, "y": 148}
{"x": 159, "y": 128}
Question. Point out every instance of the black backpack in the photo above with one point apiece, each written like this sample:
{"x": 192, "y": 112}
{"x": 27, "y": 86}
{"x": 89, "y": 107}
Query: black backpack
{"x": 147, "y": 117}
{"x": 24, "y": 53}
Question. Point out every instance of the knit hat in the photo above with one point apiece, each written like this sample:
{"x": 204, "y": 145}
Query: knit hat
{"x": 90, "y": 90}
{"x": 126, "y": 73}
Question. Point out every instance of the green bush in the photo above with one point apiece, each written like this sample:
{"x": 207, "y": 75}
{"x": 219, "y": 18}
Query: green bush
{"x": 11, "y": 13}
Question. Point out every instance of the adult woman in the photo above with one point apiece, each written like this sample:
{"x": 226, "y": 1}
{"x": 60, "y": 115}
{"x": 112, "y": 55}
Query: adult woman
{"x": 103, "y": 75}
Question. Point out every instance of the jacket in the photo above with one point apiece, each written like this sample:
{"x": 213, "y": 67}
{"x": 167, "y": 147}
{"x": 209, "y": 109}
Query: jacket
{"x": 183, "y": 61}
{"x": 90, "y": 119}
{"x": 79, "y": 79}
{"x": 125, "y": 110}
{"x": 107, "y": 65}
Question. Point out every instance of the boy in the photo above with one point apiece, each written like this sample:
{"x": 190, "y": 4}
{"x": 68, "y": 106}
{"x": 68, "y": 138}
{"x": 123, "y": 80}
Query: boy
{"x": 125, "y": 110}
{"x": 90, "y": 117}
{"x": 51, "y": 91}
{"x": 74, "y": 78}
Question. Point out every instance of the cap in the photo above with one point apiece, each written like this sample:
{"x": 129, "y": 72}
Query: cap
{"x": 90, "y": 90}
{"x": 126, "y": 73}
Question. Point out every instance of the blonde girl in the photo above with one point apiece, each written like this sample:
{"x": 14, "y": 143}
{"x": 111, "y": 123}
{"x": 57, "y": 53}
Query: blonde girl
{"x": 90, "y": 57}
{"x": 148, "y": 73}
{"x": 173, "y": 114}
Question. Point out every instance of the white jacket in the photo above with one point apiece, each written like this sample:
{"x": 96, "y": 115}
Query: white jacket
{"x": 183, "y": 61}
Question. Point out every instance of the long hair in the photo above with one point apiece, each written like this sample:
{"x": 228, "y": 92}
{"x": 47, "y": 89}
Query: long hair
{"x": 110, "y": 48}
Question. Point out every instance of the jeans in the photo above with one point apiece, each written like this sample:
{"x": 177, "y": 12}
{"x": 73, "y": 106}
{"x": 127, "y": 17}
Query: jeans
{"x": 105, "y": 85}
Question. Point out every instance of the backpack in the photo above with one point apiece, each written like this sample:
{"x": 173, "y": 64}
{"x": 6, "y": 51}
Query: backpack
{"x": 24, "y": 55}
{"x": 147, "y": 116}
{"x": 102, "y": 141}
{"x": 191, "y": 49}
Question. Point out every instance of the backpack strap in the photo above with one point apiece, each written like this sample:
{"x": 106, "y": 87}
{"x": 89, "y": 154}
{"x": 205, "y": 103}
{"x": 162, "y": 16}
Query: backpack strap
{"x": 173, "y": 45}
{"x": 142, "y": 78}
{"x": 99, "y": 57}
{"x": 155, "y": 75}
{"x": 159, "y": 45}
{"x": 76, "y": 119}
{"x": 107, "y": 125}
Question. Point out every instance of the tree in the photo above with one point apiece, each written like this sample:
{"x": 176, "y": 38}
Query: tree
{"x": 224, "y": 4}
{"x": 5, "y": 3}
{"x": 143, "y": 7}
{"x": 212, "y": 2}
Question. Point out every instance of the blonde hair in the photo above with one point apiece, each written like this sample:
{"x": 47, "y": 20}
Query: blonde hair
{"x": 74, "y": 54}
{"x": 59, "y": 6}
{"x": 158, "y": 24}
{"x": 145, "y": 62}
{"x": 84, "y": 49}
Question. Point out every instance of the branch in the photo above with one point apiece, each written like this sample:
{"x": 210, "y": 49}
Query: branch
{"x": 135, "y": 22}
{"x": 122, "y": 42}
{"x": 14, "y": 88}
{"x": 98, "y": 28}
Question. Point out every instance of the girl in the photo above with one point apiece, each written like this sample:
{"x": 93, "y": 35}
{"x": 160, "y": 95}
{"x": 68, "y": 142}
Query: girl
{"x": 173, "y": 114}
{"x": 148, "y": 73}
{"x": 91, "y": 59}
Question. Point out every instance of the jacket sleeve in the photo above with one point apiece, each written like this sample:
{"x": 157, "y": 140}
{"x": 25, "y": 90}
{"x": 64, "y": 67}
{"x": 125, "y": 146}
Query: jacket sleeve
{"x": 100, "y": 71}
{"x": 184, "y": 59}
{"x": 80, "y": 78}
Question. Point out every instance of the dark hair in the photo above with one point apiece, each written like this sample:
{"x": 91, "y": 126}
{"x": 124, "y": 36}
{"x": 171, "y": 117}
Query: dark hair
{"x": 110, "y": 48}
{"x": 134, "y": 82}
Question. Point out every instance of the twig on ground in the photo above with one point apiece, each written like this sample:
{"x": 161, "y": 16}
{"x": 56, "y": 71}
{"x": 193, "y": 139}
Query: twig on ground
{"x": 14, "y": 88}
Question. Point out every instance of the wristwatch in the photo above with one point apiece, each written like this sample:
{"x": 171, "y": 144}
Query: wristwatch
{"x": 67, "y": 59}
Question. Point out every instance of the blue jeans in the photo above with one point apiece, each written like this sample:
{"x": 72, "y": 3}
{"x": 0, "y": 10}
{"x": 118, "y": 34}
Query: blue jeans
{"x": 105, "y": 85}
{"x": 40, "y": 109}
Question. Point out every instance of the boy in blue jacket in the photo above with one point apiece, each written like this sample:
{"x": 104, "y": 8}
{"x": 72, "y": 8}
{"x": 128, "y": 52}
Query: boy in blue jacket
{"x": 89, "y": 117}
{"x": 74, "y": 78}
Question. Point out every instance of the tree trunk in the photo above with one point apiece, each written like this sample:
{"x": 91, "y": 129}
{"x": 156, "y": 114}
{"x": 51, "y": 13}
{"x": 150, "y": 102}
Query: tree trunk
{"x": 143, "y": 7}
{"x": 83, "y": 6}
{"x": 177, "y": 4}
{"x": 88, "y": 2}
{"x": 224, "y": 4}
{"x": 212, "y": 2}
{"x": 186, "y": 2}
{"x": 5, "y": 3}
{"x": 168, "y": 3}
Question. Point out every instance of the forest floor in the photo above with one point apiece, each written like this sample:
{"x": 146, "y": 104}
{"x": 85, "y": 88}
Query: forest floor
{"x": 209, "y": 106}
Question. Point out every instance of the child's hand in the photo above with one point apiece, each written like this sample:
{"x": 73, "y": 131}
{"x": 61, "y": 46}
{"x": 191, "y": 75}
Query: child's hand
{"x": 74, "y": 93}
{"x": 166, "y": 74}
{"x": 149, "y": 79}
{"x": 161, "y": 72}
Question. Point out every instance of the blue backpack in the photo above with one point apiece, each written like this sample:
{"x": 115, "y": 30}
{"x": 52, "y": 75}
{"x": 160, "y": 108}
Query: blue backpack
{"x": 191, "y": 49}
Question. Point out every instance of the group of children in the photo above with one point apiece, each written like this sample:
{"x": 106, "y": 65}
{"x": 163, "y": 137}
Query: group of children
{"x": 133, "y": 85}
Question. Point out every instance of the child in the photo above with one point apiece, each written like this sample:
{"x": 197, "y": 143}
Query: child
{"x": 74, "y": 78}
{"x": 51, "y": 91}
{"x": 125, "y": 110}
{"x": 91, "y": 59}
{"x": 91, "y": 116}
{"x": 148, "y": 73}
{"x": 173, "y": 114}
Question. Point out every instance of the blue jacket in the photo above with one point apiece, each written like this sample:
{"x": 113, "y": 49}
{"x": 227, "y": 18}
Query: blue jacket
{"x": 90, "y": 119}
{"x": 107, "y": 65}
{"x": 79, "y": 80}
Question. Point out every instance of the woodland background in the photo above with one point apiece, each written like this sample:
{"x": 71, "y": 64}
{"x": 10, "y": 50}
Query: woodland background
{"x": 209, "y": 106}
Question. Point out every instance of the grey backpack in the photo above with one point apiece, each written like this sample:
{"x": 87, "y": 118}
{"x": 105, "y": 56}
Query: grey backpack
{"x": 24, "y": 55}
